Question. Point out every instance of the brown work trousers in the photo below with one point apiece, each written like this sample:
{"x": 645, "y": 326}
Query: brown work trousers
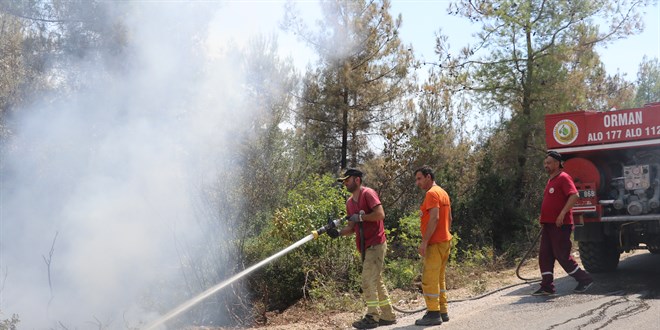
{"x": 373, "y": 289}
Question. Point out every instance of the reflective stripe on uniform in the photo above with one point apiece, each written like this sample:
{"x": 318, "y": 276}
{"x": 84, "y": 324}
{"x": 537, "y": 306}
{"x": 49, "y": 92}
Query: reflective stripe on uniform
{"x": 372, "y": 303}
{"x": 385, "y": 302}
{"x": 546, "y": 273}
{"x": 574, "y": 270}
{"x": 431, "y": 295}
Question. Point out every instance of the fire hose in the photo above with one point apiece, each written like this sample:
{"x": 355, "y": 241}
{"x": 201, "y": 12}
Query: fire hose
{"x": 313, "y": 235}
{"x": 208, "y": 292}
{"x": 525, "y": 281}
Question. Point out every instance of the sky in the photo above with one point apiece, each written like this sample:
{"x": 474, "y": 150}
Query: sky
{"x": 421, "y": 20}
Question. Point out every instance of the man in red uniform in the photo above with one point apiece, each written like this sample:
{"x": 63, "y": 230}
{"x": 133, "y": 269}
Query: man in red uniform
{"x": 366, "y": 216}
{"x": 556, "y": 225}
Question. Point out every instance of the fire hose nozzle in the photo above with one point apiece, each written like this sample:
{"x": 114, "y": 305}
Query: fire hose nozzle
{"x": 331, "y": 224}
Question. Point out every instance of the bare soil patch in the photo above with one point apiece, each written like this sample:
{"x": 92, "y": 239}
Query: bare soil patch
{"x": 302, "y": 315}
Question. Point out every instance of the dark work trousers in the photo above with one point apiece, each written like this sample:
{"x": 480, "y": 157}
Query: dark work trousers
{"x": 556, "y": 245}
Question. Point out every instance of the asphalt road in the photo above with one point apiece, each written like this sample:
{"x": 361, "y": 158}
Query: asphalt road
{"x": 626, "y": 299}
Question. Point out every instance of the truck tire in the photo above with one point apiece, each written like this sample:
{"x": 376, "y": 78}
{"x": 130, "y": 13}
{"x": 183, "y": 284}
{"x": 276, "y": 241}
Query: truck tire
{"x": 599, "y": 257}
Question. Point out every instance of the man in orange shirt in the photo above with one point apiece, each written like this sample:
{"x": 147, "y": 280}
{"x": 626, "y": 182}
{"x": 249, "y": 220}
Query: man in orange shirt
{"x": 435, "y": 246}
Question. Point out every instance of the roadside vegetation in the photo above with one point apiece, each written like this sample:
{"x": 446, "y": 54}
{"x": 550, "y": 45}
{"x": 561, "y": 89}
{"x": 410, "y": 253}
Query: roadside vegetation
{"x": 476, "y": 117}
{"x": 326, "y": 272}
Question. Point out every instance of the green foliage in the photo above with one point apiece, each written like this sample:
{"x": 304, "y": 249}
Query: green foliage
{"x": 402, "y": 263}
{"x": 404, "y": 240}
{"x": 488, "y": 215}
{"x": 267, "y": 160}
{"x": 10, "y": 323}
{"x": 315, "y": 267}
{"x": 363, "y": 74}
{"x": 401, "y": 273}
{"x": 471, "y": 256}
{"x": 453, "y": 252}
{"x": 526, "y": 68}
{"x": 37, "y": 35}
{"x": 467, "y": 263}
{"x": 648, "y": 82}
{"x": 329, "y": 294}
{"x": 404, "y": 266}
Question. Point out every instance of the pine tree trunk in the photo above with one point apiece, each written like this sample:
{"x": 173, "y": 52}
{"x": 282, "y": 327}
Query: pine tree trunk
{"x": 344, "y": 131}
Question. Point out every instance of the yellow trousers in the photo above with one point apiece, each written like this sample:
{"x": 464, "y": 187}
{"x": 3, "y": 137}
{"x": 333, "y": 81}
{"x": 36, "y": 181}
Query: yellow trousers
{"x": 433, "y": 276}
{"x": 373, "y": 289}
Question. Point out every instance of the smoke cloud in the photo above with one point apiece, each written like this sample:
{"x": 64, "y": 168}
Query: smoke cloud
{"x": 104, "y": 190}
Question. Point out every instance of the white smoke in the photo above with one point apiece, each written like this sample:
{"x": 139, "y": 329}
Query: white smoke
{"x": 110, "y": 176}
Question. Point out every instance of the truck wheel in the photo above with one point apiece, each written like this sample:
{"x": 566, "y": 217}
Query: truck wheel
{"x": 599, "y": 257}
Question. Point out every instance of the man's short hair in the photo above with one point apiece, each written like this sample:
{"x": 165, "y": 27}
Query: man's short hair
{"x": 426, "y": 170}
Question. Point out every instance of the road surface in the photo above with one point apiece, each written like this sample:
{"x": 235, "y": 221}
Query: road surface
{"x": 626, "y": 299}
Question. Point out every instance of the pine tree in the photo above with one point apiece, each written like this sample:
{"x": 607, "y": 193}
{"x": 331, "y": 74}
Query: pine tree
{"x": 362, "y": 74}
{"x": 526, "y": 53}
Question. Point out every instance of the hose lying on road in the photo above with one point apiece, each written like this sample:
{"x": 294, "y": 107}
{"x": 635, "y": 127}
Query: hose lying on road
{"x": 531, "y": 248}
{"x": 526, "y": 281}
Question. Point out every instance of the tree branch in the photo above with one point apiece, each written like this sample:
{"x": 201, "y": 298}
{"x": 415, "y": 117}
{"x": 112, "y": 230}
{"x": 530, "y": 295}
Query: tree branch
{"x": 48, "y": 261}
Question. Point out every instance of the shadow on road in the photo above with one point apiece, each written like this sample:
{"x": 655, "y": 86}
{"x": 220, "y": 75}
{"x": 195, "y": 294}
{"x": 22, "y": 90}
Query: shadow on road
{"x": 639, "y": 273}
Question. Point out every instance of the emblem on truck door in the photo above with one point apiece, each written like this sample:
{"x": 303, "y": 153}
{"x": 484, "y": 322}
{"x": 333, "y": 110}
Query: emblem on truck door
{"x": 565, "y": 131}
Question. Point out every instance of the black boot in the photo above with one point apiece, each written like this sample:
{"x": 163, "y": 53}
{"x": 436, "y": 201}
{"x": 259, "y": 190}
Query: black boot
{"x": 430, "y": 318}
{"x": 367, "y": 322}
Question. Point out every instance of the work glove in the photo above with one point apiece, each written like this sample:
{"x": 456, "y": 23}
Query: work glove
{"x": 333, "y": 232}
{"x": 355, "y": 218}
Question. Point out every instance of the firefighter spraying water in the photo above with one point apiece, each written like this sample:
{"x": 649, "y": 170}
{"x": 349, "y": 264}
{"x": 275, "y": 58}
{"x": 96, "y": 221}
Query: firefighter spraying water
{"x": 197, "y": 299}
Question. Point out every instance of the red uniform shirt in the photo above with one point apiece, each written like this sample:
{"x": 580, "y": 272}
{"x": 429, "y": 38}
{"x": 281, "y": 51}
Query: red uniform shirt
{"x": 557, "y": 192}
{"x": 374, "y": 231}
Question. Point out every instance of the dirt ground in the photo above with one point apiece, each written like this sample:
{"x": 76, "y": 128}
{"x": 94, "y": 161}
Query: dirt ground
{"x": 300, "y": 316}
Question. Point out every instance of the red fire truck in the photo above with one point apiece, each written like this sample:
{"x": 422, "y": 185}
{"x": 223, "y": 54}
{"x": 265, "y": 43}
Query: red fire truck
{"x": 614, "y": 159}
